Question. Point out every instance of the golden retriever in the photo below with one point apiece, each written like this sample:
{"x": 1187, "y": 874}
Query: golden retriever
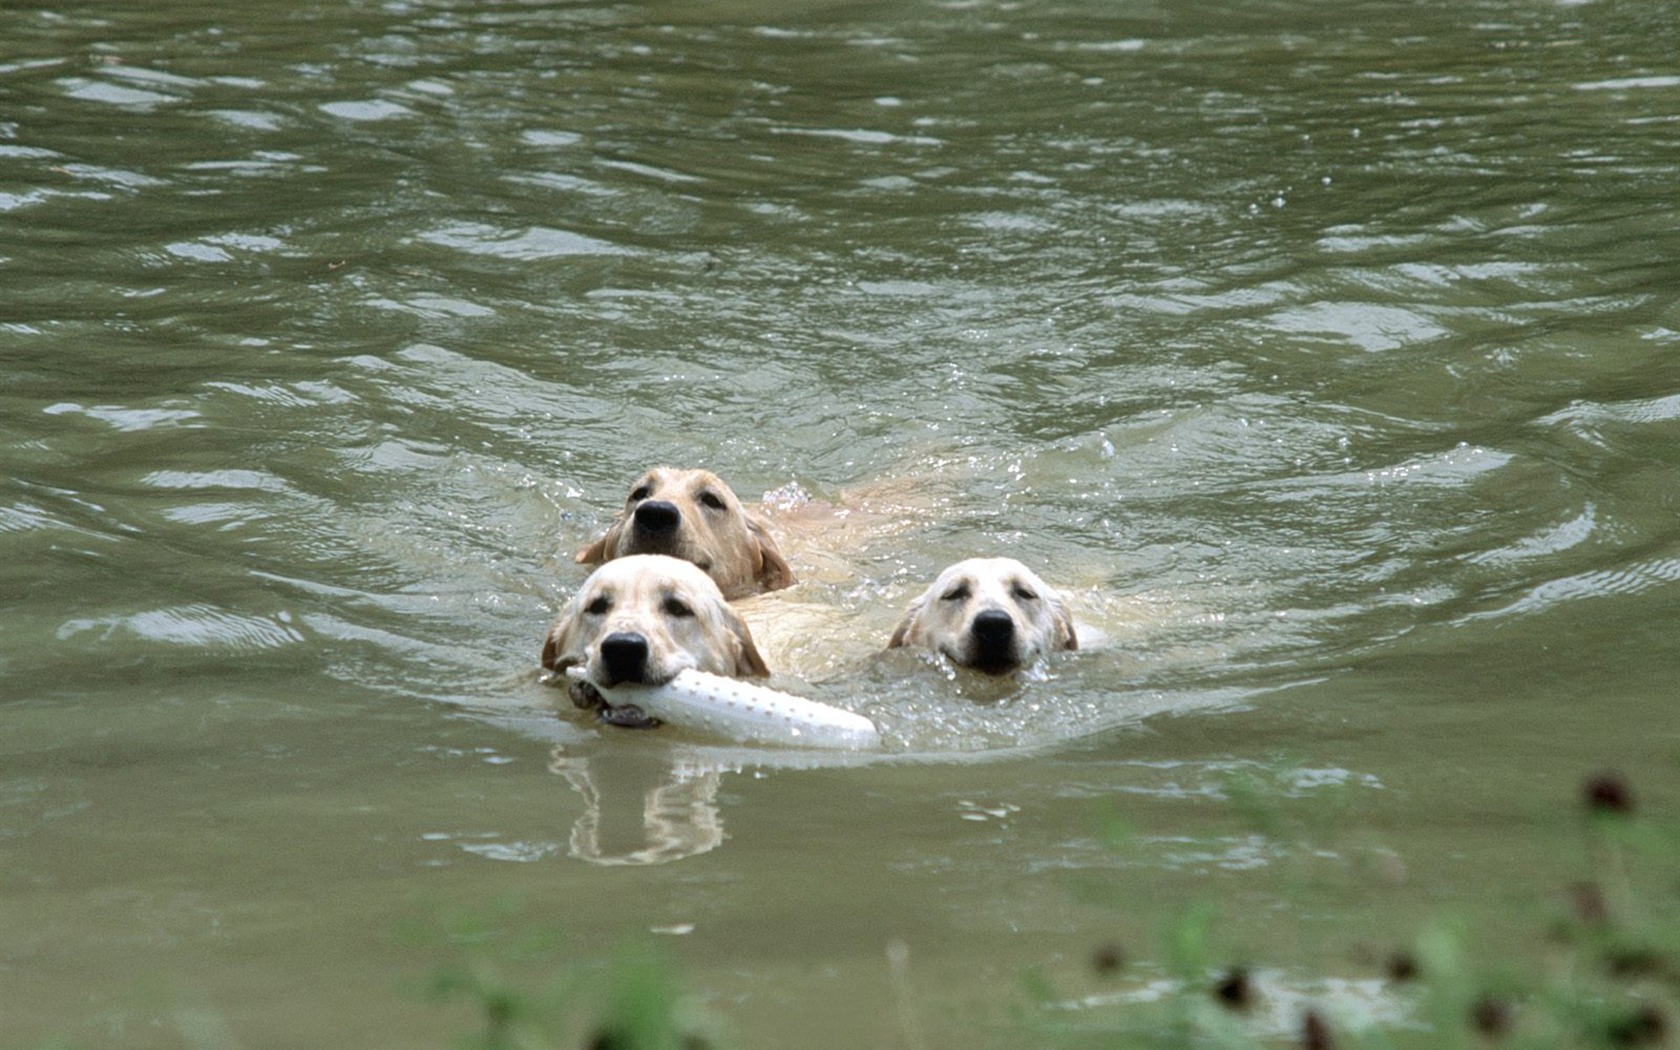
{"x": 693, "y": 515}
{"x": 644, "y": 618}
{"x": 991, "y": 614}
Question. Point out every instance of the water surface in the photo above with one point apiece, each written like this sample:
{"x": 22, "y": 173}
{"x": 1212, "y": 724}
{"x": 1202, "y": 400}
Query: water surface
{"x": 1328, "y": 355}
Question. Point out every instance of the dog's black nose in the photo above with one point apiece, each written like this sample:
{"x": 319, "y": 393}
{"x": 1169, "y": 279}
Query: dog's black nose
{"x": 994, "y": 625}
{"x": 994, "y": 640}
{"x": 624, "y": 657}
{"x": 656, "y": 515}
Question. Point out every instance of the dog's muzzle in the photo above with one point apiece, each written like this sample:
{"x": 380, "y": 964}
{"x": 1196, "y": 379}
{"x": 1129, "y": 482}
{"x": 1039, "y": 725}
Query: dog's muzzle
{"x": 656, "y": 517}
{"x": 624, "y": 658}
{"x": 993, "y": 641}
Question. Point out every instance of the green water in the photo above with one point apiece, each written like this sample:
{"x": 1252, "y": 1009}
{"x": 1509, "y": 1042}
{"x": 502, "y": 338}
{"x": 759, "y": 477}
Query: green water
{"x": 1327, "y": 353}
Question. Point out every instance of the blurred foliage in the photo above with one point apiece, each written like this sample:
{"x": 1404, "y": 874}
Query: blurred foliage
{"x": 1608, "y": 977}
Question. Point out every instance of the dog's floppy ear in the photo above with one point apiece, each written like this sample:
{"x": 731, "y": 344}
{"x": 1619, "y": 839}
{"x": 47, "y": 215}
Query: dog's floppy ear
{"x": 603, "y": 549}
{"x": 1065, "y": 636}
{"x": 559, "y": 639}
{"x": 901, "y": 634}
{"x": 748, "y": 662}
{"x": 771, "y": 569}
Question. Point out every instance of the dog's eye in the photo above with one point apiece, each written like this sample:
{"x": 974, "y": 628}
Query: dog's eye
{"x": 678, "y": 608}
{"x": 640, "y": 492}
{"x": 599, "y": 606}
{"x": 957, "y": 593}
{"x": 1025, "y": 593}
{"x": 712, "y": 500}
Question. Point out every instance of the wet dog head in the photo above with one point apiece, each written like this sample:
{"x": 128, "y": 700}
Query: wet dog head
{"x": 991, "y": 614}
{"x": 644, "y": 618}
{"x": 693, "y": 515}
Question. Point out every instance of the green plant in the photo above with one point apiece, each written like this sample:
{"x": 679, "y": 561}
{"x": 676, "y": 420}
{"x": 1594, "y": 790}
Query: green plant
{"x": 530, "y": 994}
{"x": 1611, "y": 980}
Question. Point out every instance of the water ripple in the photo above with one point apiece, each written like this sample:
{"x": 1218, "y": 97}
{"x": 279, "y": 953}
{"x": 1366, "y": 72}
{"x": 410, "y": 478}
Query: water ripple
{"x": 1623, "y": 580}
{"x": 198, "y": 625}
{"x": 535, "y": 242}
{"x": 233, "y": 478}
{"x": 366, "y": 110}
{"x": 1551, "y": 541}
{"x": 121, "y": 418}
{"x": 88, "y": 90}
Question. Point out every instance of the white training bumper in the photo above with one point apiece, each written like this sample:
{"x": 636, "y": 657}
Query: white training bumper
{"x": 742, "y": 711}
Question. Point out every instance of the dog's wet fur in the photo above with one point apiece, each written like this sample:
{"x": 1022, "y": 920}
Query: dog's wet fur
{"x": 693, "y": 515}
{"x": 990, "y": 614}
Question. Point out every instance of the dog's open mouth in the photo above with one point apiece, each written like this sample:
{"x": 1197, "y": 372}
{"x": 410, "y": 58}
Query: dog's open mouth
{"x": 587, "y": 697}
{"x": 628, "y": 716}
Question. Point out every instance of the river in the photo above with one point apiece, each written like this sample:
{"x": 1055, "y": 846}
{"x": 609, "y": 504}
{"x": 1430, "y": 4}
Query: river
{"x": 1326, "y": 355}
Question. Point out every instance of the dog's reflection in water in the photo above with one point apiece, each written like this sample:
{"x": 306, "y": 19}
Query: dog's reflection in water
{"x": 652, "y": 803}
{"x": 641, "y": 805}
